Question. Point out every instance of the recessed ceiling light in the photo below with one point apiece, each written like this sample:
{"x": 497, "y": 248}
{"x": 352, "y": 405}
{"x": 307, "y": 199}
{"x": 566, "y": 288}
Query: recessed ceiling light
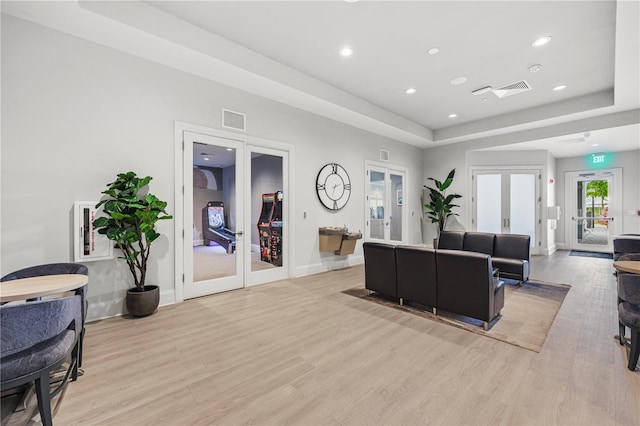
{"x": 433, "y": 51}
{"x": 411, "y": 90}
{"x": 229, "y": 149}
{"x": 541, "y": 41}
{"x": 346, "y": 51}
{"x": 453, "y": 115}
{"x": 351, "y": 1}
{"x": 595, "y": 144}
{"x": 206, "y": 158}
{"x": 559, "y": 87}
{"x": 534, "y": 68}
{"x": 458, "y": 80}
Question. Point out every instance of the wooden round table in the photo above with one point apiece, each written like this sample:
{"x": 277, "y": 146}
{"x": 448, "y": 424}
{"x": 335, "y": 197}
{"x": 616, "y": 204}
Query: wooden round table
{"x": 34, "y": 287}
{"x": 630, "y": 266}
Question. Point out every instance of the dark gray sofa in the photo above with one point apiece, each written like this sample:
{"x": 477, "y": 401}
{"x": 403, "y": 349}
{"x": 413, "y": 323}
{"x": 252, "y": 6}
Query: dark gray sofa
{"x": 510, "y": 253}
{"x": 459, "y": 282}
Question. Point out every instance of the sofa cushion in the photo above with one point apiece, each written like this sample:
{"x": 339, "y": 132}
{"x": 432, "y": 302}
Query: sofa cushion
{"x": 512, "y": 246}
{"x": 511, "y": 268}
{"x": 480, "y": 242}
{"x": 451, "y": 240}
{"x": 416, "y": 273}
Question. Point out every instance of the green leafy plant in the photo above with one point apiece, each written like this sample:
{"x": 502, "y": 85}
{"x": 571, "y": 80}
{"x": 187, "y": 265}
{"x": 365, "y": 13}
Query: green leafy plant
{"x": 131, "y": 221}
{"x": 441, "y": 204}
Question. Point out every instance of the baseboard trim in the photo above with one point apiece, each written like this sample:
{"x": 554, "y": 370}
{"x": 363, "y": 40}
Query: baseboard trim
{"x": 338, "y": 263}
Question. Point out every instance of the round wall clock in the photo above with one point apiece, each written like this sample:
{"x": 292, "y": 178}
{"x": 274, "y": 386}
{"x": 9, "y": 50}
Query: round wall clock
{"x": 333, "y": 186}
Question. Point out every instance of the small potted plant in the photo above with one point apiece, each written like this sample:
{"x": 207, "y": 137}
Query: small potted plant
{"x": 131, "y": 223}
{"x": 441, "y": 204}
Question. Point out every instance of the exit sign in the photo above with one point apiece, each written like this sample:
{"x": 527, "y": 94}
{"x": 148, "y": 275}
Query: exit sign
{"x": 598, "y": 158}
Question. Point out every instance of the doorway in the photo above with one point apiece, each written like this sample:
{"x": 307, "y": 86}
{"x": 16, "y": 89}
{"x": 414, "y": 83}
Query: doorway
{"x": 386, "y": 213}
{"x": 507, "y": 202}
{"x": 228, "y": 183}
{"x": 594, "y": 198}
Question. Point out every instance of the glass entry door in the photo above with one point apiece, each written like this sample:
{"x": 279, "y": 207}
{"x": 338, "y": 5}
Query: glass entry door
{"x": 507, "y": 202}
{"x": 385, "y": 217}
{"x": 213, "y": 212}
{"x": 594, "y": 214}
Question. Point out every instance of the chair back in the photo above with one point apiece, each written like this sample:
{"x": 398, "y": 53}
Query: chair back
{"x": 625, "y": 245}
{"x": 629, "y": 288}
{"x": 48, "y": 269}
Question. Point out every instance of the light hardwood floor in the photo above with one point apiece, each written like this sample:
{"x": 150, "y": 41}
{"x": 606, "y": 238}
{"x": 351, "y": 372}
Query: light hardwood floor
{"x": 301, "y": 352}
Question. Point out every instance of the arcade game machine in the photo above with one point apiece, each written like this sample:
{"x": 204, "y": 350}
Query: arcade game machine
{"x": 264, "y": 225}
{"x": 213, "y": 227}
{"x": 275, "y": 230}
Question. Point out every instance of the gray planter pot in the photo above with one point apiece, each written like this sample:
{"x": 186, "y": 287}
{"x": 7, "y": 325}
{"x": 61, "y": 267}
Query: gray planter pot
{"x": 143, "y": 303}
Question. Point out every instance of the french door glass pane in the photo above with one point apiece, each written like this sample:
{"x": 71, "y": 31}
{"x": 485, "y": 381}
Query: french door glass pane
{"x": 592, "y": 213}
{"x": 266, "y": 211}
{"x": 214, "y": 253}
{"x": 522, "y": 217}
{"x": 396, "y": 207}
{"x": 489, "y": 203}
{"x": 376, "y": 204}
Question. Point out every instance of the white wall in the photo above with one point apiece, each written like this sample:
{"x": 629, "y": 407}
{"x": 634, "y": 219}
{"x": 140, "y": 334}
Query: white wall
{"x": 76, "y": 113}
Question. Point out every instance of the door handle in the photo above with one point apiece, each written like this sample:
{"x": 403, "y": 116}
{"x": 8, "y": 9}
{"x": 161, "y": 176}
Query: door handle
{"x": 239, "y": 233}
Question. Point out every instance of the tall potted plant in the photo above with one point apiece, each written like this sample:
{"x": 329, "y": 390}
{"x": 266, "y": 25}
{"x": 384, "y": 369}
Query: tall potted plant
{"x": 131, "y": 223}
{"x": 440, "y": 204}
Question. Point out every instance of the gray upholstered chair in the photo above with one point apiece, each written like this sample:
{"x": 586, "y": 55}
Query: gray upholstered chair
{"x": 625, "y": 244}
{"x": 629, "y": 313}
{"x": 56, "y": 269}
{"x": 37, "y": 338}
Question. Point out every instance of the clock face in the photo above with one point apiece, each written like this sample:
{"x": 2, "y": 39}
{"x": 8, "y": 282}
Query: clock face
{"x": 333, "y": 186}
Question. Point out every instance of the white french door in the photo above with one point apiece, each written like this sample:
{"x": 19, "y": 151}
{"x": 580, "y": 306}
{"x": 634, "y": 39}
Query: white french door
{"x": 386, "y": 213}
{"x": 594, "y": 199}
{"x": 214, "y": 249}
{"x": 225, "y": 180}
{"x": 507, "y": 202}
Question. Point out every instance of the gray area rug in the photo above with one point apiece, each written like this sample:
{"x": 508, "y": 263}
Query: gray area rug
{"x": 527, "y": 316}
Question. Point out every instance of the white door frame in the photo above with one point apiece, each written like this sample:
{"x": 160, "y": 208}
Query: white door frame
{"x": 388, "y": 169}
{"x": 251, "y": 142}
{"x": 615, "y": 207}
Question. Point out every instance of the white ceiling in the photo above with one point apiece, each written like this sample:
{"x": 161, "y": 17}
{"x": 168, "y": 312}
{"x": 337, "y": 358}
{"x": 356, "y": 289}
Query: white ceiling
{"x": 289, "y": 51}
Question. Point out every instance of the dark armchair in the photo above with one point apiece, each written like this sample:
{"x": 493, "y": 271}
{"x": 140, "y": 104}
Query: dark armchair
{"x": 37, "y": 338}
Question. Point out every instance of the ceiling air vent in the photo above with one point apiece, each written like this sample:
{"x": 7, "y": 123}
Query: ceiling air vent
{"x": 512, "y": 89}
{"x": 384, "y": 155}
{"x": 233, "y": 120}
